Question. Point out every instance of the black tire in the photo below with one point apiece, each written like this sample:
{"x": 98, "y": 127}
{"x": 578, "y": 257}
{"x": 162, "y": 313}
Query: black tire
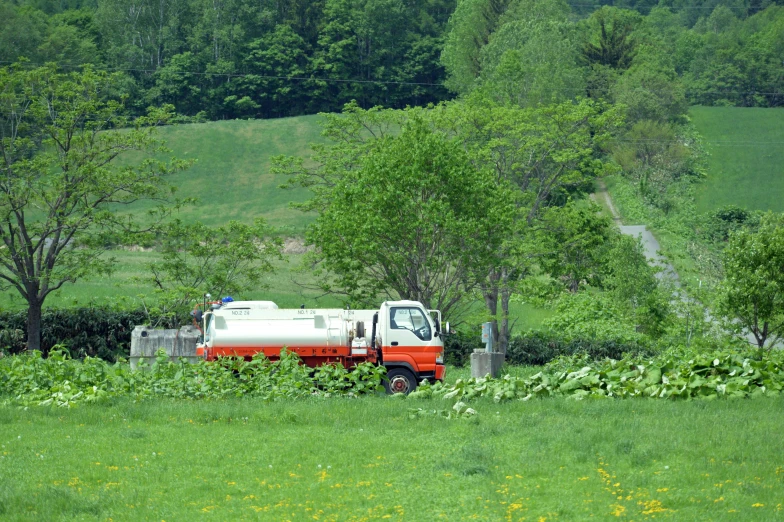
{"x": 400, "y": 380}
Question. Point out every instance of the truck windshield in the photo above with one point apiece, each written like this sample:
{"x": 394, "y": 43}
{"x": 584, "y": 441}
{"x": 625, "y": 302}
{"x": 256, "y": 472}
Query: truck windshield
{"x": 404, "y": 318}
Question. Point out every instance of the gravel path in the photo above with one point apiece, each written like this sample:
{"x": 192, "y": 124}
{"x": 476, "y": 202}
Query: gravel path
{"x": 650, "y": 245}
{"x": 651, "y": 248}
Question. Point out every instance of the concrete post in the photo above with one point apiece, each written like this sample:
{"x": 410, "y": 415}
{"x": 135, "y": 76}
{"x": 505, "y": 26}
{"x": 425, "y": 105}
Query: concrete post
{"x": 486, "y": 362}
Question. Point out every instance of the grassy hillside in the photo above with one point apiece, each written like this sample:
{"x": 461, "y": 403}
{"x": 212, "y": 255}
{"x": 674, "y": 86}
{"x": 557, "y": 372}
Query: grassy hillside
{"x": 746, "y": 163}
{"x": 231, "y": 177}
{"x": 231, "y": 180}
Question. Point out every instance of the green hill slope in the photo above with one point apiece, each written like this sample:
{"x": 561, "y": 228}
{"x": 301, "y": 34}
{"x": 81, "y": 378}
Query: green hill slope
{"x": 231, "y": 177}
{"x": 231, "y": 180}
{"x": 746, "y": 163}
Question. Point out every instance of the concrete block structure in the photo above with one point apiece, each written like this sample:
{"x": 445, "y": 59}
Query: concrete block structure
{"x": 180, "y": 343}
{"x": 484, "y": 363}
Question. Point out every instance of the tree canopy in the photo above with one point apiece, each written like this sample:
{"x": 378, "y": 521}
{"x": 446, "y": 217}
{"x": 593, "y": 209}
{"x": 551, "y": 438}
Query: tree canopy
{"x": 412, "y": 218}
{"x": 60, "y": 181}
{"x": 753, "y": 293}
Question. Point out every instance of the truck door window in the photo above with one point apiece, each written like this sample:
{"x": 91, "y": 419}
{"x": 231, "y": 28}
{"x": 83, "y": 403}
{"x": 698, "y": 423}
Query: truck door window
{"x": 410, "y": 319}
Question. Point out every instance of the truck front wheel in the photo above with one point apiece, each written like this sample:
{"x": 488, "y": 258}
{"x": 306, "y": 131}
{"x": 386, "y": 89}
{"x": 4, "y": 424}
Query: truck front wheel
{"x": 400, "y": 380}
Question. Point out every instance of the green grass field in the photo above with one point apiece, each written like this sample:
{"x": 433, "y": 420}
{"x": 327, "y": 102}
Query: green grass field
{"x": 746, "y": 147}
{"x": 364, "y": 459}
{"x": 231, "y": 177}
{"x": 287, "y": 286}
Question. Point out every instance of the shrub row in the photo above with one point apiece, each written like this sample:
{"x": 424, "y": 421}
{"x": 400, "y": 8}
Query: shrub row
{"x": 537, "y": 348}
{"x": 93, "y": 332}
{"x": 30, "y": 380}
{"x": 676, "y": 374}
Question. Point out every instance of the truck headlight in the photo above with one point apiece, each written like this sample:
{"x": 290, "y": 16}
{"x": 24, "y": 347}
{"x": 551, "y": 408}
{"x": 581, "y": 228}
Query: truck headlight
{"x": 440, "y": 359}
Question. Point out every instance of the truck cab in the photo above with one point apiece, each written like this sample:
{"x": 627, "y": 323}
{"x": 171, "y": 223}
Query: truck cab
{"x": 411, "y": 340}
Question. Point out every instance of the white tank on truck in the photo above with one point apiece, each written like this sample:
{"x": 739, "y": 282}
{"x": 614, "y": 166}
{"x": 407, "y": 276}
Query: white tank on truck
{"x": 261, "y": 324}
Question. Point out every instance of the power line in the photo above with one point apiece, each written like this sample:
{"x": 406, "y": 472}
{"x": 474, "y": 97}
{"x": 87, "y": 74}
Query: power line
{"x": 229, "y": 75}
{"x": 673, "y": 8}
{"x": 181, "y": 72}
{"x": 723, "y": 143}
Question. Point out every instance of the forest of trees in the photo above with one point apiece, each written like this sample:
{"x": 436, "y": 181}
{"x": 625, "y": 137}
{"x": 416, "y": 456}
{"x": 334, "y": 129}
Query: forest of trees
{"x": 241, "y": 58}
{"x": 222, "y": 59}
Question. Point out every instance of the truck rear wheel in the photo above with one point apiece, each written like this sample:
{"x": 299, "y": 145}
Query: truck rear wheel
{"x": 400, "y": 380}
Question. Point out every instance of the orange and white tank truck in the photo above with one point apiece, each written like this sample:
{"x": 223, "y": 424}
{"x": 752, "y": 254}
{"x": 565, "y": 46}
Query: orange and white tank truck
{"x": 402, "y": 336}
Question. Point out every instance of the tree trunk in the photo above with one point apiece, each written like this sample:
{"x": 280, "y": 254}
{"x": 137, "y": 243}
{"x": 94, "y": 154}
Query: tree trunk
{"x": 498, "y": 285}
{"x": 34, "y": 325}
{"x": 762, "y": 336}
{"x": 503, "y": 329}
{"x": 491, "y": 301}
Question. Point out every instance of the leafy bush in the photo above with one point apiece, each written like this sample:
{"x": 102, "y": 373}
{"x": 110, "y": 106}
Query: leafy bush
{"x": 539, "y": 347}
{"x": 459, "y": 346}
{"x": 82, "y": 332}
{"x": 58, "y": 380}
{"x": 719, "y": 224}
{"x": 590, "y": 315}
{"x": 674, "y": 375}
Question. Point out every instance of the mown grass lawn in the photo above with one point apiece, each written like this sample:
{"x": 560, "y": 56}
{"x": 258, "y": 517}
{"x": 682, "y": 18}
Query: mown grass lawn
{"x": 746, "y": 151}
{"x": 364, "y": 459}
{"x": 231, "y": 177}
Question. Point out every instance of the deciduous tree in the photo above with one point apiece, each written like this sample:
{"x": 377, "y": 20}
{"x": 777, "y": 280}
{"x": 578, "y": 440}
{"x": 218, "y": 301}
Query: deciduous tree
{"x": 753, "y": 293}
{"x": 404, "y": 213}
{"x": 61, "y": 187}
{"x": 196, "y": 259}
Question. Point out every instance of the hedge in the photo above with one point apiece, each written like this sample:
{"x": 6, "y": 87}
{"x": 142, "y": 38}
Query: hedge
{"x": 537, "y": 348}
{"x": 97, "y": 332}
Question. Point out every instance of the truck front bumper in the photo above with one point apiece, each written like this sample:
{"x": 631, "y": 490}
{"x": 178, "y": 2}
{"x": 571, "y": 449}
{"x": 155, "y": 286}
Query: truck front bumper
{"x": 440, "y": 372}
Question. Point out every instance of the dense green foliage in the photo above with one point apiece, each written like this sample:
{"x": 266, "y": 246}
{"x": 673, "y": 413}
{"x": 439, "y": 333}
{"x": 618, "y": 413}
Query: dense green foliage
{"x": 404, "y": 214}
{"x": 655, "y": 60}
{"x": 753, "y": 292}
{"x": 61, "y": 381}
{"x": 29, "y": 379}
{"x": 241, "y": 59}
{"x": 103, "y": 332}
{"x": 539, "y": 347}
{"x": 671, "y": 375}
{"x": 466, "y": 186}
